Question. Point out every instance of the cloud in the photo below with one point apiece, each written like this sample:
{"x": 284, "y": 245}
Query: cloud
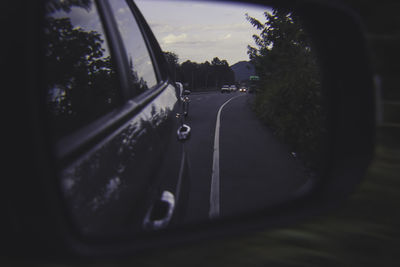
{"x": 227, "y": 36}
{"x": 122, "y": 10}
{"x": 162, "y": 27}
{"x": 159, "y": 27}
{"x": 172, "y": 38}
{"x": 234, "y": 27}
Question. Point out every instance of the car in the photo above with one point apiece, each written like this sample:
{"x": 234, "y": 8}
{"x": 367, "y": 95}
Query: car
{"x": 243, "y": 89}
{"x": 113, "y": 118}
{"x": 225, "y": 89}
{"x": 89, "y": 168}
{"x": 233, "y": 88}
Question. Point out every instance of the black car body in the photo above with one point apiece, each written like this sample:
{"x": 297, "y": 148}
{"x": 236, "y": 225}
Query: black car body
{"x": 114, "y": 116}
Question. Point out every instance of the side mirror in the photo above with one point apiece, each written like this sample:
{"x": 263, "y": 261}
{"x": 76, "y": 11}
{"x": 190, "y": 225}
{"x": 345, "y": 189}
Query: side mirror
{"x": 38, "y": 222}
{"x": 179, "y": 87}
{"x": 182, "y": 91}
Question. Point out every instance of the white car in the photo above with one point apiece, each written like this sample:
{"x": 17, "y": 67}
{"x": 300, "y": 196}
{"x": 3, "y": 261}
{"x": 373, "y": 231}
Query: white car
{"x": 225, "y": 89}
{"x": 233, "y": 88}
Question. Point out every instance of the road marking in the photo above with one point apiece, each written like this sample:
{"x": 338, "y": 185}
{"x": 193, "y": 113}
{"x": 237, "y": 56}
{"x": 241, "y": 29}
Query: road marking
{"x": 214, "y": 192}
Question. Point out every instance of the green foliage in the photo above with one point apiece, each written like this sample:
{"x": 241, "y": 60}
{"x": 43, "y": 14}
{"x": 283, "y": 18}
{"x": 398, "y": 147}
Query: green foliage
{"x": 288, "y": 95}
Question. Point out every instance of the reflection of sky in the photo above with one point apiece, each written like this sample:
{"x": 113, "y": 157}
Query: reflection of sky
{"x": 200, "y": 31}
{"x": 134, "y": 44}
{"x": 87, "y": 20}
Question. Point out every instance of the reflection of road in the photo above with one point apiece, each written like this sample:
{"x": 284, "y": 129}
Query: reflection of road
{"x": 247, "y": 168}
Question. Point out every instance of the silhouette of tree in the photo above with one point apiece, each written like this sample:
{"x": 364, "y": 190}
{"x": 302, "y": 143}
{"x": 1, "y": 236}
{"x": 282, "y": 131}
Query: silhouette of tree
{"x": 65, "y": 5}
{"x": 78, "y": 74}
{"x": 289, "y": 95}
{"x": 200, "y": 76}
{"x": 173, "y": 65}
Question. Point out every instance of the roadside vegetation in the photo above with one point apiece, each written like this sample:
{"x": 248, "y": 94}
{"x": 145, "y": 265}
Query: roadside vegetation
{"x": 288, "y": 96}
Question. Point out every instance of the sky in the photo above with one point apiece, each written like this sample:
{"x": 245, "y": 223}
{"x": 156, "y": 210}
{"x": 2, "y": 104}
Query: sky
{"x": 200, "y": 31}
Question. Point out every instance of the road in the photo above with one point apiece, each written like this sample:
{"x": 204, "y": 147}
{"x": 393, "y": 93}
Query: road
{"x": 237, "y": 164}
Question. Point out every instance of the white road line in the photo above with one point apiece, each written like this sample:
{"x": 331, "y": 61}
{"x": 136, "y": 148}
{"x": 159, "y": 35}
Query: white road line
{"x": 214, "y": 192}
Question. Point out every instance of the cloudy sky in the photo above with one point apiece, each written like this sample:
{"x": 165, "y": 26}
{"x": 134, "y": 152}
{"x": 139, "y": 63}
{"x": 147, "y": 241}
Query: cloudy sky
{"x": 200, "y": 31}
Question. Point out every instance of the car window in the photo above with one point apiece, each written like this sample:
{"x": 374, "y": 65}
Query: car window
{"x": 142, "y": 74}
{"x": 81, "y": 82}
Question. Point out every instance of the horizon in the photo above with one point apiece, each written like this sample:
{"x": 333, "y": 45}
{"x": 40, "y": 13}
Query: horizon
{"x": 216, "y": 29}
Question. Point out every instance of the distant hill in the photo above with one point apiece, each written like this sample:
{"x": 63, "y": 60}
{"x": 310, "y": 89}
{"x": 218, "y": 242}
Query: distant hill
{"x": 243, "y": 70}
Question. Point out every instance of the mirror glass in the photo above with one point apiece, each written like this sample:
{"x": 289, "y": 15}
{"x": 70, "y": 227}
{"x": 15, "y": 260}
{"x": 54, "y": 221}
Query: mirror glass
{"x": 256, "y": 107}
{"x": 253, "y": 116}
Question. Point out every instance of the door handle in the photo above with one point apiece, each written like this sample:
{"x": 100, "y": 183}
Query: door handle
{"x": 160, "y": 213}
{"x": 183, "y": 132}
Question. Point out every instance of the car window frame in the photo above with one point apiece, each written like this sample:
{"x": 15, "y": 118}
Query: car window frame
{"x": 124, "y": 68}
{"x": 155, "y": 52}
{"x": 70, "y": 147}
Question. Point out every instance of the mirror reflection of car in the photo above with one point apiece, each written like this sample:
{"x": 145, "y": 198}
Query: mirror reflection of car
{"x": 225, "y": 89}
{"x": 116, "y": 129}
{"x": 105, "y": 156}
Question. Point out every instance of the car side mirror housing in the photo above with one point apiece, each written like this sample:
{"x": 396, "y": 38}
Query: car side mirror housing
{"x": 37, "y": 223}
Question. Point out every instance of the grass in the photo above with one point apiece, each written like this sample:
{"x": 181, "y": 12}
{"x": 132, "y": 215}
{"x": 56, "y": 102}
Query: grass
{"x": 391, "y": 112}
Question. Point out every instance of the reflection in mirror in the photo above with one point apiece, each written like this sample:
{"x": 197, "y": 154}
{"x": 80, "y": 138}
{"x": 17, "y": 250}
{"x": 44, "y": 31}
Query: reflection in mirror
{"x": 256, "y": 114}
{"x": 80, "y": 79}
{"x": 256, "y": 111}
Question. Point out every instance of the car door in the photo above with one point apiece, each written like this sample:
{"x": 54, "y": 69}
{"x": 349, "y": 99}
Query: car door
{"x": 113, "y": 117}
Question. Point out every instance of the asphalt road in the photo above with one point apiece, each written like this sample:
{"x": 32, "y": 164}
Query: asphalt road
{"x": 237, "y": 164}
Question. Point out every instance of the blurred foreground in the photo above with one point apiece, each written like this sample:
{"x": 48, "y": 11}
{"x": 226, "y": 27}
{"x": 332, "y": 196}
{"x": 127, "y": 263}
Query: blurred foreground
{"x": 363, "y": 232}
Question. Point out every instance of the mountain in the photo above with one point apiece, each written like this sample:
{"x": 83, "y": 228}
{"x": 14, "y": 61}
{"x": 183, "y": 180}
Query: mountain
{"x": 243, "y": 70}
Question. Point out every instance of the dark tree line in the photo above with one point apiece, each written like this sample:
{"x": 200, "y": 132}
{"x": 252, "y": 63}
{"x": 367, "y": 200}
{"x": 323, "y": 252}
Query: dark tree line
{"x": 200, "y": 76}
{"x": 289, "y": 96}
{"x": 80, "y": 74}
{"x": 80, "y": 77}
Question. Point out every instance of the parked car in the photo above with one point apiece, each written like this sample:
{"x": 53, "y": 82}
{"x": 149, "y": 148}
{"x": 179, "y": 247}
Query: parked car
{"x": 225, "y": 89}
{"x": 113, "y": 117}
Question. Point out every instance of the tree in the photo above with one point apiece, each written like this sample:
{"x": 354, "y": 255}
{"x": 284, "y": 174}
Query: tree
{"x": 172, "y": 61}
{"x": 81, "y": 74}
{"x": 223, "y": 74}
{"x": 189, "y": 73}
{"x": 65, "y": 5}
{"x": 200, "y": 76}
{"x": 289, "y": 96}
